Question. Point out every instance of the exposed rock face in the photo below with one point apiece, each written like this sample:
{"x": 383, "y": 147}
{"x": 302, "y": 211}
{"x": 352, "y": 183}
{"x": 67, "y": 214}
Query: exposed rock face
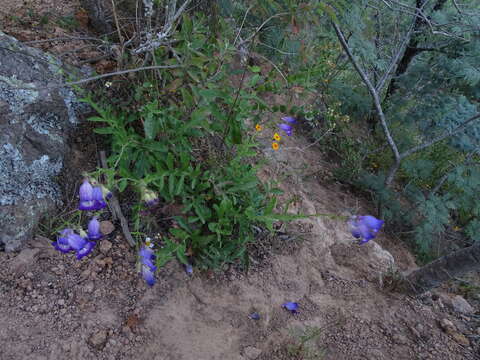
{"x": 33, "y": 129}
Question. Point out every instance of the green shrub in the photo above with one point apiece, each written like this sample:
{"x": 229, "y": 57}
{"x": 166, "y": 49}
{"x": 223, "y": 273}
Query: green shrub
{"x": 185, "y": 140}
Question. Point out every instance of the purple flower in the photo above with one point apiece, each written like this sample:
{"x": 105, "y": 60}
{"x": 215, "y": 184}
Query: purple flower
{"x": 289, "y": 119}
{"x": 149, "y": 197}
{"x": 365, "y": 227}
{"x": 98, "y": 200}
{"x": 148, "y": 275}
{"x": 286, "y": 128}
{"x": 86, "y": 196}
{"x": 107, "y": 194}
{"x": 147, "y": 257}
{"x": 254, "y": 316}
{"x": 189, "y": 269}
{"x": 86, "y": 249}
{"x": 94, "y": 229}
{"x": 69, "y": 241}
{"x": 62, "y": 241}
{"x": 291, "y": 306}
{"x": 75, "y": 241}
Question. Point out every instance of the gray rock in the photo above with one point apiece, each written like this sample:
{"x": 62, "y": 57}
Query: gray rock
{"x": 23, "y": 262}
{"x": 400, "y": 339}
{"x": 98, "y": 340}
{"x": 105, "y": 246}
{"x": 251, "y": 352}
{"x": 35, "y": 117}
{"x": 459, "y": 304}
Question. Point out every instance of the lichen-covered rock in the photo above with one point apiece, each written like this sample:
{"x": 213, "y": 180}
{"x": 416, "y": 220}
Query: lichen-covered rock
{"x": 35, "y": 116}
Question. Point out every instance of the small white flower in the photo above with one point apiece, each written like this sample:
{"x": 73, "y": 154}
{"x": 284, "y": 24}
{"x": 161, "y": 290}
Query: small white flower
{"x": 148, "y": 242}
{"x": 108, "y": 84}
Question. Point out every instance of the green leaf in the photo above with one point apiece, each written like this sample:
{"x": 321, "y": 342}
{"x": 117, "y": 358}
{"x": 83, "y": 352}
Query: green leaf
{"x": 187, "y": 98}
{"x": 181, "y": 255}
{"x": 104, "y": 131}
{"x": 179, "y": 233}
{"x": 170, "y": 160}
{"x": 171, "y": 184}
{"x": 150, "y": 127}
{"x": 122, "y": 184}
{"x": 180, "y": 185}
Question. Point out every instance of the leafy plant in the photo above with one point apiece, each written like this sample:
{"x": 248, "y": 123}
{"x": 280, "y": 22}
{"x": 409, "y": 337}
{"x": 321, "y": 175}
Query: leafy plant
{"x": 187, "y": 143}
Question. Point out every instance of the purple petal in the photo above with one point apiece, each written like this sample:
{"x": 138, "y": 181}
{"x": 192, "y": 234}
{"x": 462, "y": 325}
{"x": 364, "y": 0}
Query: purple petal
{"x": 98, "y": 198}
{"x": 149, "y": 263}
{"x": 189, "y": 269}
{"x": 372, "y": 222}
{"x": 86, "y": 205}
{"x": 286, "y": 128}
{"x": 289, "y": 119}
{"x": 152, "y": 202}
{"x": 149, "y": 197}
{"x": 291, "y": 306}
{"x": 86, "y": 191}
{"x": 94, "y": 229}
{"x": 148, "y": 275}
{"x": 147, "y": 257}
{"x": 76, "y": 241}
{"x": 146, "y": 252}
{"x": 87, "y": 249}
{"x": 254, "y": 316}
{"x": 62, "y": 245}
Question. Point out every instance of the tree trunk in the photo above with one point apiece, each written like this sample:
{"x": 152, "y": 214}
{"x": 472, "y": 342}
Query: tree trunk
{"x": 412, "y": 49}
{"x": 98, "y": 15}
{"x": 443, "y": 269}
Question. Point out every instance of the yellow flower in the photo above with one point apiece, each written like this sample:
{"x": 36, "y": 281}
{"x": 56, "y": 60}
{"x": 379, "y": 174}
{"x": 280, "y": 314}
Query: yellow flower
{"x": 277, "y": 137}
{"x": 275, "y": 146}
{"x": 258, "y": 127}
{"x": 456, "y": 228}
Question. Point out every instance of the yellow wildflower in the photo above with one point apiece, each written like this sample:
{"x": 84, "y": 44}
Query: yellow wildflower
{"x": 275, "y": 146}
{"x": 277, "y": 137}
{"x": 258, "y": 127}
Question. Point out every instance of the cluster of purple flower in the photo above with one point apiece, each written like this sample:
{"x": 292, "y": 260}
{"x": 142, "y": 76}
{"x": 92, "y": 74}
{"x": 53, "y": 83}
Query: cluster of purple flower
{"x": 147, "y": 258}
{"x": 82, "y": 243}
{"x": 365, "y": 227}
{"x": 91, "y": 198}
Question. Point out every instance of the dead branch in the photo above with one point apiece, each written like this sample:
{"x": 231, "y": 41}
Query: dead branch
{"x": 115, "y": 205}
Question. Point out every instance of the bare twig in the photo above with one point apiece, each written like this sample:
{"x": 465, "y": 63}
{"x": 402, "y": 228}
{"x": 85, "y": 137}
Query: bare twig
{"x": 116, "y": 207}
{"x": 445, "y": 135}
{"x": 275, "y": 66}
{"x": 371, "y": 90}
{"x": 114, "y": 8}
{"x": 259, "y": 28}
{"x": 241, "y": 26}
{"x": 65, "y": 38}
{"x": 394, "y": 62}
{"x": 161, "y": 37}
{"x": 98, "y": 77}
